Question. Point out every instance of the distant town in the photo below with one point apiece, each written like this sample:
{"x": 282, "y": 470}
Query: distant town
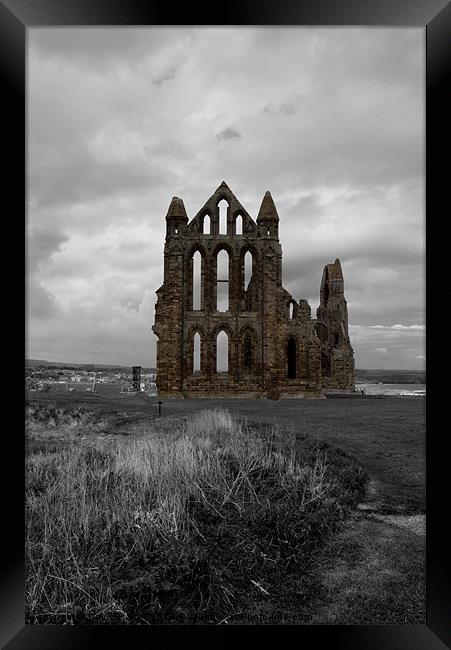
{"x": 41, "y": 375}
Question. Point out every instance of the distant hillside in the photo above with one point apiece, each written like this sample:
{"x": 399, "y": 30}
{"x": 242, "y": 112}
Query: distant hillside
{"x": 390, "y": 376}
{"x": 81, "y": 366}
{"x": 372, "y": 376}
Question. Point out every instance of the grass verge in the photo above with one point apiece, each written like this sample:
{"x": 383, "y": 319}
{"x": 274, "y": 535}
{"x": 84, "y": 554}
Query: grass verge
{"x": 207, "y": 522}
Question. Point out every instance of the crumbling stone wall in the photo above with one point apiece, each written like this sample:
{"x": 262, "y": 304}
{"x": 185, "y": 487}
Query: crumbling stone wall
{"x": 275, "y": 347}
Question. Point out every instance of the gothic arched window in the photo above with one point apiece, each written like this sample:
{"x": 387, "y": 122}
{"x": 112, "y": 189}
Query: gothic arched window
{"x": 326, "y": 292}
{"x": 247, "y": 353}
{"x": 325, "y": 365}
{"x": 248, "y": 265}
{"x": 222, "y": 352}
{"x": 222, "y": 281}
{"x": 222, "y": 207}
{"x": 239, "y": 225}
{"x": 291, "y": 358}
{"x": 196, "y": 353}
{"x": 197, "y": 264}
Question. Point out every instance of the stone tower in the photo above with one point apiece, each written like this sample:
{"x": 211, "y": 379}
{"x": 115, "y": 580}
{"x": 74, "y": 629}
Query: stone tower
{"x": 226, "y": 327}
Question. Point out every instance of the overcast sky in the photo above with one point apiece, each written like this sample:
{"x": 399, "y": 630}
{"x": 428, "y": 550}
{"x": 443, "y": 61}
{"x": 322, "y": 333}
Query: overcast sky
{"x": 330, "y": 120}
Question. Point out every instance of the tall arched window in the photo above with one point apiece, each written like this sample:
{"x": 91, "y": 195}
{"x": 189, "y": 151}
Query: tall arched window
{"x": 291, "y": 358}
{"x": 247, "y": 353}
{"x": 248, "y": 263}
{"x": 206, "y": 225}
{"x": 326, "y": 292}
{"x": 197, "y": 263}
{"x": 222, "y": 207}
{"x": 239, "y": 225}
{"x": 290, "y": 311}
{"x": 222, "y": 352}
{"x": 196, "y": 353}
{"x": 247, "y": 269}
{"x": 222, "y": 281}
{"x": 325, "y": 365}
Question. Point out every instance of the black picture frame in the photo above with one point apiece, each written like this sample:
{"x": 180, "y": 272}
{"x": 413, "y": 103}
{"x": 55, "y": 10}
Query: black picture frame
{"x": 433, "y": 15}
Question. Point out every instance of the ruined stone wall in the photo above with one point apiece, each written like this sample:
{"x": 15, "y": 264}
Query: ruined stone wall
{"x": 273, "y": 348}
{"x": 332, "y": 321}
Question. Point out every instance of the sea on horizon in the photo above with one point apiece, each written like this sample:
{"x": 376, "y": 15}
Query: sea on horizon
{"x": 402, "y": 390}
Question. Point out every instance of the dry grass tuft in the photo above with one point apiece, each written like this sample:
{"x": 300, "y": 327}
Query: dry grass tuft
{"x": 176, "y": 528}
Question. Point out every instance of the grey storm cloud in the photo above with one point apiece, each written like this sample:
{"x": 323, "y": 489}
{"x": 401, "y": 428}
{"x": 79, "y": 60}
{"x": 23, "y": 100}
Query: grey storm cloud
{"x": 122, "y": 119}
{"x": 229, "y": 134}
{"x": 285, "y": 108}
{"x": 166, "y": 76}
{"x": 98, "y": 45}
{"x": 41, "y": 303}
{"x": 131, "y": 303}
{"x": 42, "y": 243}
{"x": 82, "y": 178}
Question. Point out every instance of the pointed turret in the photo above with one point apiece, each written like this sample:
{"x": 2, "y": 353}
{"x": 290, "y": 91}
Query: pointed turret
{"x": 177, "y": 210}
{"x": 176, "y": 217}
{"x": 335, "y": 272}
{"x": 268, "y": 218}
{"x": 267, "y": 209}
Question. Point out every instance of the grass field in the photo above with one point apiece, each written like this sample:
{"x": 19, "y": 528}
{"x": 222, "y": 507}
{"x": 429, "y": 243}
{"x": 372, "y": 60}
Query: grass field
{"x": 385, "y": 434}
{"x": 371, "y": 569}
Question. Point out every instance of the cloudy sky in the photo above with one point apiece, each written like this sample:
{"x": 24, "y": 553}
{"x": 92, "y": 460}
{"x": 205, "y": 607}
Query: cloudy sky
{"x": 330, "y": 120}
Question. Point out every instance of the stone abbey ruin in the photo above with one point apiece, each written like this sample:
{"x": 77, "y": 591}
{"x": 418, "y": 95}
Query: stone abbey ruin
{"x": 226, "y": 327}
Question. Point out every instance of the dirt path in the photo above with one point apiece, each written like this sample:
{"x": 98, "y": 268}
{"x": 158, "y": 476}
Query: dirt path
{"x": 373, "y": 570}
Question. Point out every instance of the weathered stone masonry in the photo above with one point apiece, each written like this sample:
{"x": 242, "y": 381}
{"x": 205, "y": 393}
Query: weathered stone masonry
{"x": 274, "y": 347}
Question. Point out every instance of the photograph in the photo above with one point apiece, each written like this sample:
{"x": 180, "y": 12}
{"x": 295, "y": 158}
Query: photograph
{"x": 225, "y": 325}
